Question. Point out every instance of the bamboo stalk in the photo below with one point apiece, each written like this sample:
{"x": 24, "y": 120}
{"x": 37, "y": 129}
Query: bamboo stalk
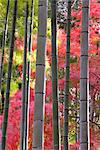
{"x": 3, "y": 43}
{"x": 76, "y": 115}
{"x": 38, "y": 132}
{"x": 67, "y": 79}
{"x": 6, "y": 107}
{"x": 28, "y": 79}
{"x": 22, "y": 129}
{"x": 55, "y": 77}
{"x": 84, "y": 79}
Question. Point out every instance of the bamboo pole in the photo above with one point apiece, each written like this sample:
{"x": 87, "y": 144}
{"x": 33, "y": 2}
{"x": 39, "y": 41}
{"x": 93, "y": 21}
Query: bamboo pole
{"x": 6, "y": 107}
{"x": 3, "y": 43}
{"x": 67, "y": 79}
{"x": 28, "y": 78}
{"x": 76, "y": 116}
{"x": 55, "y": 76}
{"x": 38, "y": 131}
{"x": 22, "y": 129}
{"x": 84, "y": 79}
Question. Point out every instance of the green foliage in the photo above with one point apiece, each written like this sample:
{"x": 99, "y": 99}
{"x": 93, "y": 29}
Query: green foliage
{"x": 17, "y": 57}
{"x": 20, "y": 15}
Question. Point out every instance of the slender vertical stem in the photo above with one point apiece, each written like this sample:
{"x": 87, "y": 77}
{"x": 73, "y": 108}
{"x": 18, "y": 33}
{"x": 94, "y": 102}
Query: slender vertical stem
{"x": 28, "y": 79}
{"x": 84, "y": 79}
{"x": 76, "y": 120}
{"x": 3, "y": 43}
{"x": 67, "y": 78}
{"x": 92, "y": 105}
{"x": 22, "y": 138}
{"x": 54, "y": 76}
{"x": 6, "y": 107}
{"x": 38, "y": 132}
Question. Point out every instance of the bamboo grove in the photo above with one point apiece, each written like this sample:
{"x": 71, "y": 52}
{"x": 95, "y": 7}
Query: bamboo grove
{"x": 40, "y": 75}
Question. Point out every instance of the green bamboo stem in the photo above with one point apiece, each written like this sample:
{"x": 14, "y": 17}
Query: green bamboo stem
{"x": 38, "y": 130}
{"x": 28, "y": 79}
{"x": 22, "y": 129}
{"x": 6, "y": 107}
{"x": 55, "y": 77}
{"x": 67, "y": 79}
{"x": 84, "y": 79}
{"x": 3, "y": 43}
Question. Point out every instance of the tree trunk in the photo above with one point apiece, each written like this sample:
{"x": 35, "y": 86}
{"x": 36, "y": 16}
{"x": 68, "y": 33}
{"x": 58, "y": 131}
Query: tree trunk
{"x": 40, "y": 78}
{"x": 3, "y": 44}
{"x": 84, "y": 80}
{"x": 28, "y": 79}
{"x": 67, "y": 78}
{"x": 54, "y": 76}
{"x": 22, "y": 130}
{"x": 6, "y": 107}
